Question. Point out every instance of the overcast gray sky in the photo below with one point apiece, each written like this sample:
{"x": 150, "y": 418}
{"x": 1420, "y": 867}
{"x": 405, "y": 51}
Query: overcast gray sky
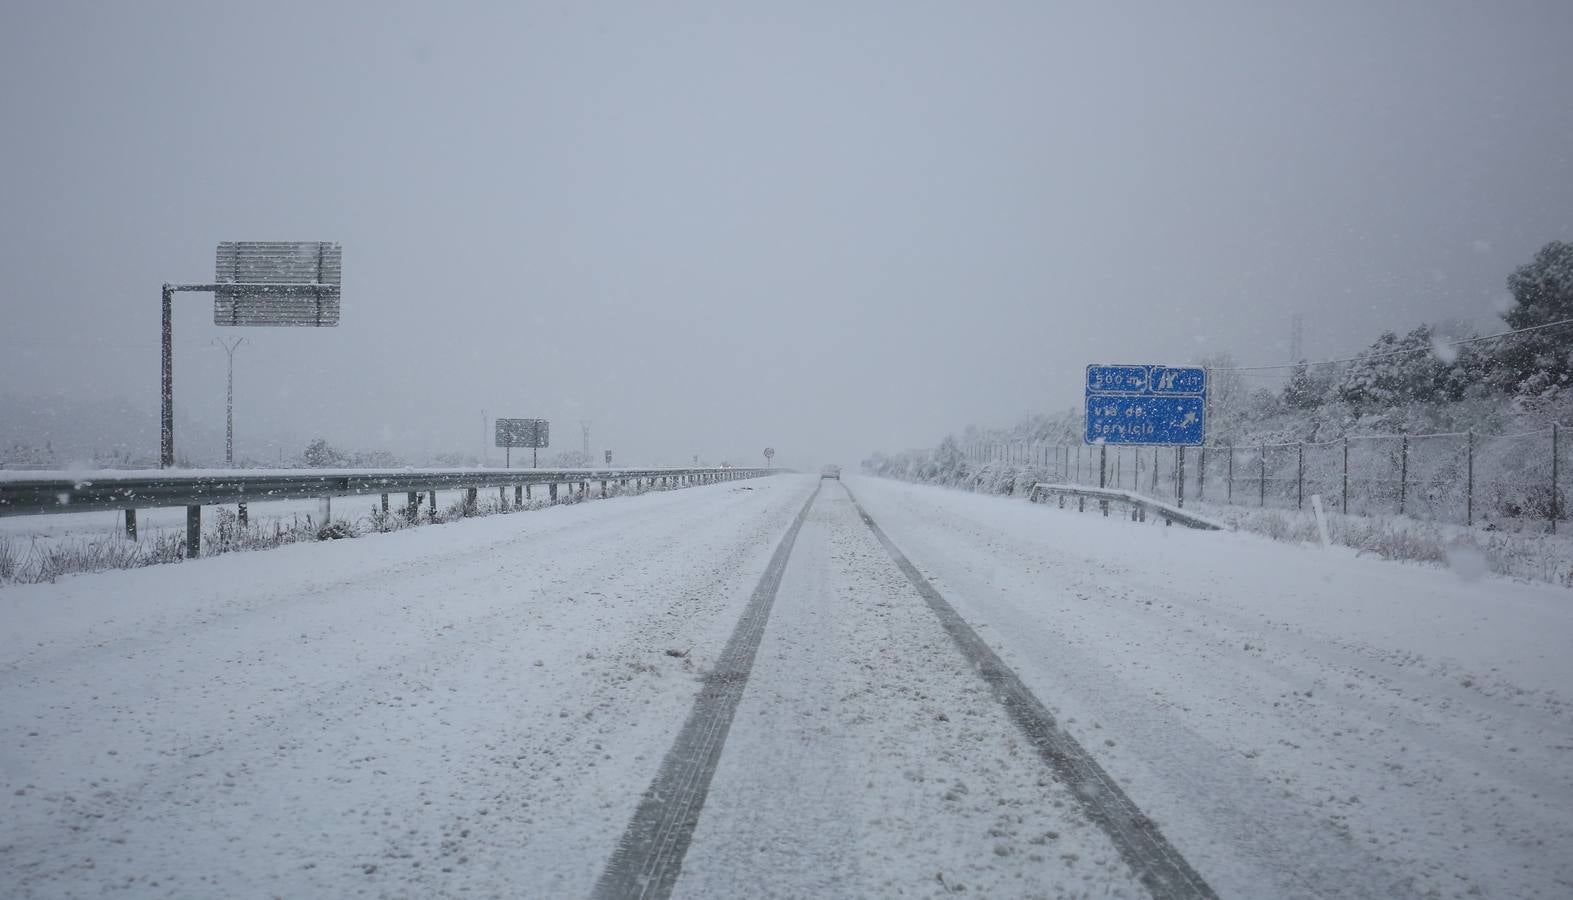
{"x": 830, "y": 227}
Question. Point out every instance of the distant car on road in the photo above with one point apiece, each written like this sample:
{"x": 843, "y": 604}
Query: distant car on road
{"x": 830, "y": 472}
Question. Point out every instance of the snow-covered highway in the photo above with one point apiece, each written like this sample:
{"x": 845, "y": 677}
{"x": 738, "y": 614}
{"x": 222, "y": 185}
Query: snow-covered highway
{"x": 482, "y": 709}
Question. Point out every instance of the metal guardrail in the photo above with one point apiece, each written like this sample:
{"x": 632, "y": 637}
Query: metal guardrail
{"x": 38, "y": 493}
{"x": 1139, "y": 505}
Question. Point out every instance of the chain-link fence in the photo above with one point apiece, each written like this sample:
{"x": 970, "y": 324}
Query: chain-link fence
{"x": 1460, "y": 477}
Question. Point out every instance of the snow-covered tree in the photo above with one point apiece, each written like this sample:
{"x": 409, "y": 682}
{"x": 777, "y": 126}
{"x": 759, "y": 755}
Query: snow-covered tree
{"x": 1540, "y": 364}
{"x": 321, "y": 455}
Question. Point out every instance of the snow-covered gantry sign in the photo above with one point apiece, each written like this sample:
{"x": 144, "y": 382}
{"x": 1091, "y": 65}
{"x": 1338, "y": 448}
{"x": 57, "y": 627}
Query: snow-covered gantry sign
{"x": 1146, "y": 405}
{"x": 277, "y": 283}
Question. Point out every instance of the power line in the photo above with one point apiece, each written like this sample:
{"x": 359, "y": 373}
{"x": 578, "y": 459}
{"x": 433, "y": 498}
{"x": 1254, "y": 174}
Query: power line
{"x": 1385, "y": 353}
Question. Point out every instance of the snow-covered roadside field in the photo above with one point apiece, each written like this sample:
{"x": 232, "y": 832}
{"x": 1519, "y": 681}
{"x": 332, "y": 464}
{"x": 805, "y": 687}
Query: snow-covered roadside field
{"x": 1301, "y": 722}
{"x": 412, "y": 713}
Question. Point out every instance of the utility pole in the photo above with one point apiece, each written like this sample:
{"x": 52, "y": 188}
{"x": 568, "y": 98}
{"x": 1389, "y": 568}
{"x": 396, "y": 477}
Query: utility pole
{"x": 584, "y": 428}
{"x": 229, "y": 348}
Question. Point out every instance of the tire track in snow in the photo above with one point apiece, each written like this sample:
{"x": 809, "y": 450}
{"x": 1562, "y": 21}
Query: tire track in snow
{"x": 1156, "y": 862}
{"x": 649, "y": 856}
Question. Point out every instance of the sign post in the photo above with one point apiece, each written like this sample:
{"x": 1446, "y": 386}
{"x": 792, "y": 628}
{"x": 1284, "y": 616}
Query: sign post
{"x": 1163, "y": 406}
{"x": 257, "y": 283}
{"x": 532, "y": 433}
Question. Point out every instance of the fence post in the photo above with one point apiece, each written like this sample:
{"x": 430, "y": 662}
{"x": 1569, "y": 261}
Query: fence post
{"x": 1262, "y": 498}
{"x": 384, "y": 504}
{"x": 1555, "y": 505}
{"x": 1299, "y": 493}
{"x": 1229, "y": 477}
{"x": 412, "y": 506}
{"x": 1103, "y": 475}
{"x": 1179, "y": 477}
{"x": 1469, "y": 478}
{"x": 1403, "y": 473}
{"x": 1201, "y": 473}
{"x": 1345, "y": 508}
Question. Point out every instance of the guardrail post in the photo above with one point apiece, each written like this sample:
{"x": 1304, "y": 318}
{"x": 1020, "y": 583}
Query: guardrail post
{"x": 412, "y": 505}
{"x": 552, "y": 491}
{"x": 1179, "y": 477}
{"x": 518, "y": 496}
{"x": 432, "y": 496}
{"x": 241, "y": 515}
{"x": 193, "y": 532}
{"x": 384, "y": 504}
{"x": 131, "y": 524}
{"x": 603, "y": 488}
{"x": 469, "y": 500}
{"x": 1469, "y": 478}
{"x": 1299, "y": 493}
{"x": 584, "y": 490}
{"x": 502, "y": 497}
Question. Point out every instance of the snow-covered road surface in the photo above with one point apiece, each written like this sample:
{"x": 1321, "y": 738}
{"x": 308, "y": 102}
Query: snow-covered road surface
{"x": 477, "y": 709}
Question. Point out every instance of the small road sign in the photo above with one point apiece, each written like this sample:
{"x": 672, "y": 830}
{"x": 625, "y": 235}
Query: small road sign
{"x": 1163, "y": 405}
{"x": 608, "y": 457}
{"x": 770, "y": 453}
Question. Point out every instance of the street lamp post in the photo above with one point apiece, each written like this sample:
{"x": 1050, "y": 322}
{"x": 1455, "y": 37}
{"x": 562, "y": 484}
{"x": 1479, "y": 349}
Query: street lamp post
{"x": 229, "y": 348}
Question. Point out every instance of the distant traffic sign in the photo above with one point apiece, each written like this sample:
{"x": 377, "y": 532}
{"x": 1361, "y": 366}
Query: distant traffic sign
{"x": 1146, "y": 405}
{"x": 535, "y": 433}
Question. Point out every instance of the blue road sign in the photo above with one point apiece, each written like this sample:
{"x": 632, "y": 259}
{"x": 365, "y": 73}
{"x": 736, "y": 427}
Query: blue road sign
{"x": 1146, "y": 405}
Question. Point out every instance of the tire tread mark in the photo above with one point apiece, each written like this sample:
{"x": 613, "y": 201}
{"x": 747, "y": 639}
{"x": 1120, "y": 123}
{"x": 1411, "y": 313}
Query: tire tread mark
{"x": 649, "y": 856}
{"x": 1155, "y": 862}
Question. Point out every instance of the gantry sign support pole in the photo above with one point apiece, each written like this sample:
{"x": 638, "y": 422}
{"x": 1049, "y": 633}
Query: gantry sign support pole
{"x": 166, "y": 428}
